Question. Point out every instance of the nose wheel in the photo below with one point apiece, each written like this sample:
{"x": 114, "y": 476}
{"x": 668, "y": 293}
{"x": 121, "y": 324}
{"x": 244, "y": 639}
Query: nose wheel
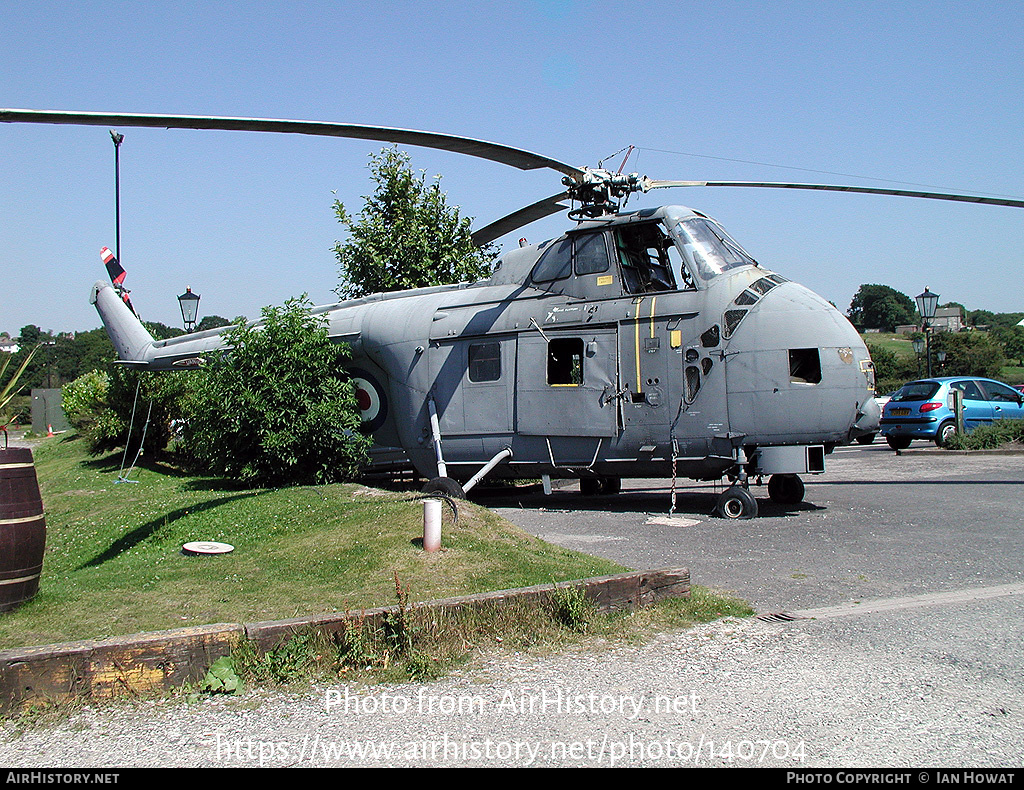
{"x": 736, "y": 502}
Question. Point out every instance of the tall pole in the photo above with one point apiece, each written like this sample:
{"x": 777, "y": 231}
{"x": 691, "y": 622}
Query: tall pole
{"x": 928, "y": 346}
{"x": 118, "y": 139}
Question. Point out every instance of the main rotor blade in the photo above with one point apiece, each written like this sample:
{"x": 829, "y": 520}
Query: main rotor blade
{"x": 992, "y": 201}
{"x": 524, "y": 160}
{"x": 507, "y": 224}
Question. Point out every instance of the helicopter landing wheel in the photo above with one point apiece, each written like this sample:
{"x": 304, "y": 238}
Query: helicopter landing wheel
{"x": 445, "y": 486}
{"x": 786, "y": 489}
{"x": 600, "y": 486}
{"x": 736, "y": 502}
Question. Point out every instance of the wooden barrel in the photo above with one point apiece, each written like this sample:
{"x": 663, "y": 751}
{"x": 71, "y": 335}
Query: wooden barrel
{"x": 22, "y": 528}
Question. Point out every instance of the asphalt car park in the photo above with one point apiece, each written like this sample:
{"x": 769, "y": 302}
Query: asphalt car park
{"x": 913, "y": 562}
{"x": 875, "y": 525}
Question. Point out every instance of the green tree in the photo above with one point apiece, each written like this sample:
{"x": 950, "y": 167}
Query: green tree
{"x": 278, "y": 408}
{"x": 1006, "y": 320}
{"x": 1011, "y": 338}
{"x": 881, "y": 307}
{"x": 212, "y": 322}
{"x": 967, "y": 354}
{"x": 892, "y": 370}
{"x": 406, "y": 236}
{"x": 161, "y": 331}
{"x": 31, "y": 335}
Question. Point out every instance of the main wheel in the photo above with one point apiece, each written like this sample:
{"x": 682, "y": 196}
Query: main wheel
{"x": 867, "y": 438}
{"x": 786, "y": 489}
{"x": 898, "y": 442}
{"x": 736, "y": 502}
{"x": 445, "y": 486}
{"x": 946, "y": 432}
{"x": 599, "y": 486}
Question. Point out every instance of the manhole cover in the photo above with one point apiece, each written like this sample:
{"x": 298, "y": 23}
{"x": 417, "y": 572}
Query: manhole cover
{"x": 206, "y": 547}
{"x": 780, "y": 617}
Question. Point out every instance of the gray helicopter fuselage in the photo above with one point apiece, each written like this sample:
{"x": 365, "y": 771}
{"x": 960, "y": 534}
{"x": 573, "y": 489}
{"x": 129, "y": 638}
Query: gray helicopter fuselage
{"x": 643, "y": 344}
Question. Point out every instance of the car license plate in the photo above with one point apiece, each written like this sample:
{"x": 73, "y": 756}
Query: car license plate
{"x": 900, "y": 412}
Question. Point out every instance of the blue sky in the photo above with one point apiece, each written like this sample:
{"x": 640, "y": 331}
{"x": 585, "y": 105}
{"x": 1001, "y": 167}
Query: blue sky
{"x": 871, "y": 93}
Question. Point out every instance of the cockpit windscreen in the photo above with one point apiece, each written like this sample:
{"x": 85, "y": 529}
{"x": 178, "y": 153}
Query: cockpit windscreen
{"x": 712, "y": 249}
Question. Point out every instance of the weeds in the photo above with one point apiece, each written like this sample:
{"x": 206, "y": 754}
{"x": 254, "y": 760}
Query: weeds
{"x": 419, "y": 644}
{"x": 572, "y": 608}
{"x": 222, "y": 678}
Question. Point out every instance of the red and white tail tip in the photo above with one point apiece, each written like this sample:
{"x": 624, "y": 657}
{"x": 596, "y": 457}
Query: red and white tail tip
{"x": 113, "y": 267}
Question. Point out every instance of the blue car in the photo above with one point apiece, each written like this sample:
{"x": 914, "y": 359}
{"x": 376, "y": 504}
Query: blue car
{"x": 924, "y": 409}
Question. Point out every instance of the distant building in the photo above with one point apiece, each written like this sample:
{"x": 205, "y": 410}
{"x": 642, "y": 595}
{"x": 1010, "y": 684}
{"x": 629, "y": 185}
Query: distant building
{"x": 7, "y": 345}
{"x": 948, "y": 319}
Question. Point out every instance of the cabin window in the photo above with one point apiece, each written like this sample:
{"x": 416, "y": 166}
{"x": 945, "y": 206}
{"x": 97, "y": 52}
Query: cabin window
{"x": 732, "y": 320}
{"x": 804, "y": 365}
{"x": 565, "y": 362}
{"x": 591, "y": 254}
{"x": 484, "y": 361}
{"x": 555, "y": 264}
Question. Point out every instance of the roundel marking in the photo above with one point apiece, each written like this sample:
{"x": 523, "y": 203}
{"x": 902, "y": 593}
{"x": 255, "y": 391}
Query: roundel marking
{"x": 370, "y": 398}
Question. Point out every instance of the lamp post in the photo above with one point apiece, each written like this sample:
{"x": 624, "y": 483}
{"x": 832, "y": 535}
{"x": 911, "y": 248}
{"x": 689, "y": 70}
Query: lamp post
{"x": 189, "y": 308}
{"x": 926, "y": 304}
{"x": 918, "y": 350}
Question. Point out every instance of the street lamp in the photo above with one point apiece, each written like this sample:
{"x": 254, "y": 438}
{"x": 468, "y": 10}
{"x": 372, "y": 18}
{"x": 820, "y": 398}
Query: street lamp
{"x": 918, "y": 350}
{"x": 926, "y": 304}
{"x": 118, "y": 139}
{"x": 189, "y": 308}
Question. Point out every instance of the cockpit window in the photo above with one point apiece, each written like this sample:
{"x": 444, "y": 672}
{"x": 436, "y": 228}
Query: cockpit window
{"x": 591, "y": 255}
{"x": 649, "y": 260}
{"x": 555, "y": 264}
{"x": 712, "y": 249}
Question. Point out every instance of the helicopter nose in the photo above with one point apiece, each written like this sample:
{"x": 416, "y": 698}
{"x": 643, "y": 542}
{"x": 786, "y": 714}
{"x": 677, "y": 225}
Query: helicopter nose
{"x": 870, "y": 414}
{"x": 797, "y": 371}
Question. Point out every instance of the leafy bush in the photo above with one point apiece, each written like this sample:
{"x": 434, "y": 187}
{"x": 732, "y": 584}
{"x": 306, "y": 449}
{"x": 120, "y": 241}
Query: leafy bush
{"x": 279, "y": 408}
{"x": 892, "y": 370}
{"x": 989, "y": 437}
{"x": 106, "y": 407}
{"x": 85, "y": 398}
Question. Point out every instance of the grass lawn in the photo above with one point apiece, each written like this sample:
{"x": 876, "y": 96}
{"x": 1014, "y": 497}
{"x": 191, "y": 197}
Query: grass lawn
{"x": 114, "y": 564}
{"x": 898, "y": 344}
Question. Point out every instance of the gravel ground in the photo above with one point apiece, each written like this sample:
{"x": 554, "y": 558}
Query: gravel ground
{"x": 938, "y": 686}
{"x": 729, "y": 693}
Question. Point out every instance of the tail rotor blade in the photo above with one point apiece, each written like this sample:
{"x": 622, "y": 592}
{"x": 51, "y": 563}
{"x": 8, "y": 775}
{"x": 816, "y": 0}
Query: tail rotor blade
{"x": 117, "y": 274}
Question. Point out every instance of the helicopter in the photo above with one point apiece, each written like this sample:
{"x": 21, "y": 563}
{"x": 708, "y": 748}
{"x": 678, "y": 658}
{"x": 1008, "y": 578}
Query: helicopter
{"x": 642, "y": 343}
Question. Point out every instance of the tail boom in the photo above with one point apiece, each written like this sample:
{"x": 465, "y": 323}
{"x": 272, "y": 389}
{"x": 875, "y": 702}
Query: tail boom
{"x": 135, "y": 346}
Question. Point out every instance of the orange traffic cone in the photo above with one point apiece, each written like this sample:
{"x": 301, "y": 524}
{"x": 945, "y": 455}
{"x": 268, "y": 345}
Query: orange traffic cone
{"x": 49, "y": 431}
